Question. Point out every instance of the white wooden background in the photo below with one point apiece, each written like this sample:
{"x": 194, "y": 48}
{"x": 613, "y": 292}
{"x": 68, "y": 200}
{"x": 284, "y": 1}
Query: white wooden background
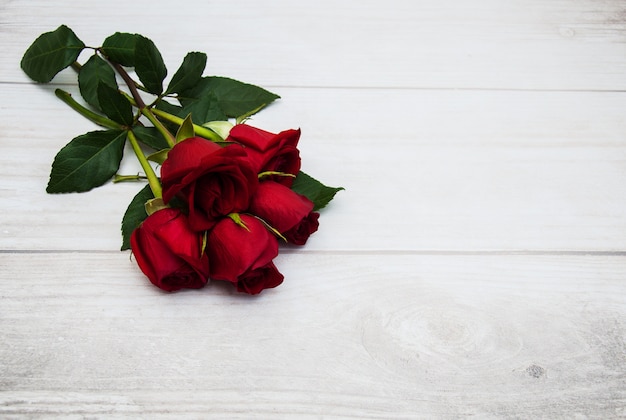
{"x": 475, "y": 266}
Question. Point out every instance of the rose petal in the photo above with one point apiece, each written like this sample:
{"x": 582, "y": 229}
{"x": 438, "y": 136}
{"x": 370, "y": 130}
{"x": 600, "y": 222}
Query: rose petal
{"x": 233, "y": 249}
{"x": 279, "y": 206}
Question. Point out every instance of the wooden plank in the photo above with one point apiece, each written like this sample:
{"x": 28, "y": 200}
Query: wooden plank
{"x": 451, "y": 170}
{"x": 334, "y": 117}
{"x": 474, "y": 267}
{"x": 354, "y": 335}
{"x": 480, "y": 44}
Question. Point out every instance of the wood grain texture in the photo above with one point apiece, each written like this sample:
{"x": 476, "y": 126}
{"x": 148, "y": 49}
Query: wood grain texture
{"x": 364, "y": 336}
{"x": 531, "y": 44}
{"x": 473, "y": 268}
{"x": 472, "y": 170}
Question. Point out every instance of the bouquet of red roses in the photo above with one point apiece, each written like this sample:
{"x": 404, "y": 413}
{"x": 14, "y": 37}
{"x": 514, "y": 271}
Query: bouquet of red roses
{"x": 227, "y": 193}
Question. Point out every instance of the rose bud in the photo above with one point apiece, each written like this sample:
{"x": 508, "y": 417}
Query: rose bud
{"x": 286, "y": 211}
{"x": 268, "y": 151}
{"x": 213, "y": 180}
{"x": 169, "y": 253}
{"x": 243, "y": 255}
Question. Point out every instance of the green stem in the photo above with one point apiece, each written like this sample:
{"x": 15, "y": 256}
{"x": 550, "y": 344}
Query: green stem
{"x": 132, "y": 86}
{"x": 169, "y": 137}
{"x": 198, "y": 129}
{"x": 87, "y": 113}
{"x": 76, "y": 66}
{"x": 126, "y": 178}
{"x": 155, "y": 185}
{"x": 129, "y": 98}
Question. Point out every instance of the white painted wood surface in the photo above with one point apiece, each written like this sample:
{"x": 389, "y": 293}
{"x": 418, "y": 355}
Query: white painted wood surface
{"x": 475, "y": 266}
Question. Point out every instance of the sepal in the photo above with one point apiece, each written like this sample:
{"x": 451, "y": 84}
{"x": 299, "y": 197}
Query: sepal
{"x": 159, "y": 157}
{"x": 236, "y": 217}
{"x": 154, "y": 204}
{"x": 221, "y": 128}
{"x": 185, "y": 131}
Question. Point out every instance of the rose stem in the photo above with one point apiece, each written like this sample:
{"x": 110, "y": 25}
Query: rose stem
{"x": 76, "y": 66}
{"x": 153, "y": 181}
{"x": 125, "y": 178}
{"x": 171, "y": 140}
{"x": 90, "y": 115}
{"x": 198, "y": 129}
{"x": 155, "y": 185}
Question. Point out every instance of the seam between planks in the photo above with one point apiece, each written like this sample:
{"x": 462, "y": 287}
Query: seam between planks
{"x": 413, "y": 88}
{"x": 367, "y": 252}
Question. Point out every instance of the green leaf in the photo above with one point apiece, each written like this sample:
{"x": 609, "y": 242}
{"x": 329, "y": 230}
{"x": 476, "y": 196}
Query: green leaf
{"x": 149, "y": 65}
{"x": 203, "y": 110}
{"x": 134, "y": 215}
{"x": 120, "y": 48}
{"x": 87, "y": 161}
{"x": 314, "y": 190}
{"x": 189, "y": 73}
{"x": 115, "y": 105}
{"x": 235, "y": 98}
{"x": 50, "y": 53}
{"x": 151, "y": 137}
{"x": 170, "y": 108}
{"x": 185, "y": 130}
{"x": 92, "y": 73}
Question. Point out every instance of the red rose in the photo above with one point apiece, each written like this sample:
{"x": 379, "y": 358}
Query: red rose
{"x": 299, "y": 234}
{"x": 243, "y": 256}
{"x": 285, "y": 210}
{"x": 213, "y": 180}
{"x": 169, "y": 252}
{"x": 268, "y": 151}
